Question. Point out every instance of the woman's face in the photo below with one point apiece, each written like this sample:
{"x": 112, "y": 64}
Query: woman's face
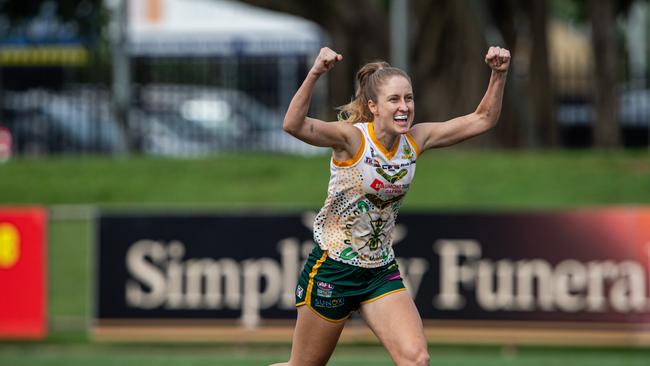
{"x": 394, "y": 108}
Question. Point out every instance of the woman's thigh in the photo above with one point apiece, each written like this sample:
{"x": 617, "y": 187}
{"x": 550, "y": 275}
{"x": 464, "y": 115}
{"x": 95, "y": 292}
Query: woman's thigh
{"x": 396, "y": 322}
{"x": 314, "y": 338}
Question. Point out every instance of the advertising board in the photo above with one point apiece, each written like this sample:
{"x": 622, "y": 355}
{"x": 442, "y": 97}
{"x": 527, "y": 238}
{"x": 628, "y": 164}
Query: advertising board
{"x": 586, "y": 270}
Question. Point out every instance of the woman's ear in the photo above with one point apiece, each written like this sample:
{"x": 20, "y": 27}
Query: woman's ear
{"x": 372, "y": 106}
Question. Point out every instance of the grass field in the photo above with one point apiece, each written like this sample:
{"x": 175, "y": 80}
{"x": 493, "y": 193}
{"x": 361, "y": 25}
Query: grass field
{"x": 444, "y": 180}
{"x": 345, "y": 355}
{"x": 448, "y": 180}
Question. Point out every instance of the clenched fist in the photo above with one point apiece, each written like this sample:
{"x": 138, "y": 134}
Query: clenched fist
{"x": 498, "y": 59}
{"x": 325, "y": 61}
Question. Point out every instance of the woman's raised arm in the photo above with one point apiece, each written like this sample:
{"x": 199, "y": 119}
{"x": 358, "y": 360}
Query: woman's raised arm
{"x": 440, "y": 134}
{"x": 340, "y": 136}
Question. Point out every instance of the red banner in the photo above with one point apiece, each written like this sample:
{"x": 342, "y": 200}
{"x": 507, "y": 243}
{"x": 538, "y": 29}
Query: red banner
{"x": 22, "y": 273}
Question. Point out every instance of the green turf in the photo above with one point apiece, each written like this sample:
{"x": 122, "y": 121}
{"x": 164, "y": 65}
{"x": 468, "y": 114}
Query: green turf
{"x": 48, "y": 354}
{"x": 70, "y": 272}
{"x": 445, "y": 179}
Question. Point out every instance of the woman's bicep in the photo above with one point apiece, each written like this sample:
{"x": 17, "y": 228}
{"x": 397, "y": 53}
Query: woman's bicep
{"x": 324, "y": 134}
{"x": 440, "y": 134}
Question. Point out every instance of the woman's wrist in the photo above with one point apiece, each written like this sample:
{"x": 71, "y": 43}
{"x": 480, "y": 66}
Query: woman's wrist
{"x": 314, "y": 74}
{"x": 500, "y": 74}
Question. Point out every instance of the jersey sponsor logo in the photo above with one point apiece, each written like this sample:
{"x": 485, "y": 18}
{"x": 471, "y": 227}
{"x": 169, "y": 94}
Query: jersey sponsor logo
{"x": 391, "y": 166}
{"x": 329, "y": 303}
{"x": 392, "y": 178}
{"x": 377, "y": 185}
{"x": 372, "y": 162}
{"x": 376, "y": 164}
{"x": 393, "y": 189}
{"x": 407, "y": 153}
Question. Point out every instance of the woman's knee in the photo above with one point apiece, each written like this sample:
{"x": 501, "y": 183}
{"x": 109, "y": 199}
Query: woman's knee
{"x": 415, "y": 355}
{"x": 422, "y": 359}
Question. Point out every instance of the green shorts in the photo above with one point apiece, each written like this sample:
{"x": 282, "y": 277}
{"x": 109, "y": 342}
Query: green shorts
{"x": 334, "y": 289}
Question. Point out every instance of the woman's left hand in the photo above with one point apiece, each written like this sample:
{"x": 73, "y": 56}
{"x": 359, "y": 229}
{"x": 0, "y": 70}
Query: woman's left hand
{"x": 498, "y": 59}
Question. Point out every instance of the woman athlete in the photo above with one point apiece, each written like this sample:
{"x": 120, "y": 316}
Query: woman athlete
{"x": 374, "y": 151}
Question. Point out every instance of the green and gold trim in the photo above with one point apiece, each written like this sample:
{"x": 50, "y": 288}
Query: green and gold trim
{"x": 383, "y": 295}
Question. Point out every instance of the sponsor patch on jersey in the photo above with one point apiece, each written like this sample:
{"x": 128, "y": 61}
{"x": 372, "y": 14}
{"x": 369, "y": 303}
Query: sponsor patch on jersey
{"x": 408, "y": 153}
{"x": 372, "y": 162}
{"x": 376, "y": 185}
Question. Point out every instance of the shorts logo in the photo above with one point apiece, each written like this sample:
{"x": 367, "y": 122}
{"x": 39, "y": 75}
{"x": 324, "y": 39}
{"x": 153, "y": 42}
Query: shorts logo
{"x": 324, "y": 289}
{"x": 325, "y": 285}
{"x": 324, "y": 293}
{"x": 329, "y": 303}
{"x": 300, "y": 291}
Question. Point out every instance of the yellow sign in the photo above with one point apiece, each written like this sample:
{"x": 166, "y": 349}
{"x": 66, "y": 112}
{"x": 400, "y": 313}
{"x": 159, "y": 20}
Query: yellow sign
{"x": 54, "y": 55}
{"x": 9, "y": 245}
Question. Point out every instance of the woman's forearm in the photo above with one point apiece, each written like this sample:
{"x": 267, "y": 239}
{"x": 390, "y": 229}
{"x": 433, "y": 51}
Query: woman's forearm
{"x": 490, "y": 107}
{"x": 299, "y": 106}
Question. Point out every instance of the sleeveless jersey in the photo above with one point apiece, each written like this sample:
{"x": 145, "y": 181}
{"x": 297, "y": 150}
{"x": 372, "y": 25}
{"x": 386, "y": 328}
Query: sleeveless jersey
{"x": 363, "y": 199}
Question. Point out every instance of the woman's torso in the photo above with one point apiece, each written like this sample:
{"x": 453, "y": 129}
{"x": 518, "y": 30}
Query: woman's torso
{"x": 363, "y": 199}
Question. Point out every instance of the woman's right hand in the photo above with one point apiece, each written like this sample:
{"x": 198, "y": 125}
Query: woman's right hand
{"x": 325, "y": 61}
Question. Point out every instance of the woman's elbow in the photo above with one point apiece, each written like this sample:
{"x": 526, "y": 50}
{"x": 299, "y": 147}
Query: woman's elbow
{"x": 288, "y": 127}
{"x": 488, "y": 119}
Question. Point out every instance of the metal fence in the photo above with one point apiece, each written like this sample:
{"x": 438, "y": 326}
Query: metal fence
{"x": 178, "y": 107}
{"x": 575, "y": 112}
{"x": 199, "y": 107}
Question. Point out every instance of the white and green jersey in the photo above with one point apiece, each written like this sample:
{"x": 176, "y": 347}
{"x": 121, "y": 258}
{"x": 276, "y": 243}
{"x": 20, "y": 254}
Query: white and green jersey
{"x": 363, "y": 199}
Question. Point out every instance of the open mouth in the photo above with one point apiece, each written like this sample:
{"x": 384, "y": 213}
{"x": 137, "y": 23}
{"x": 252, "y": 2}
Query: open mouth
{"x": 401, "y": 119}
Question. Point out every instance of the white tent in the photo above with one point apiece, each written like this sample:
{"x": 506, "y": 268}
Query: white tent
{"x": 216, "y": 27}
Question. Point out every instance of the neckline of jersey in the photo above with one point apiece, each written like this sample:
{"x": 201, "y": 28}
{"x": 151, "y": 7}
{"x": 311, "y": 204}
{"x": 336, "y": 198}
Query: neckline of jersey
{"x": 388, "y": 154}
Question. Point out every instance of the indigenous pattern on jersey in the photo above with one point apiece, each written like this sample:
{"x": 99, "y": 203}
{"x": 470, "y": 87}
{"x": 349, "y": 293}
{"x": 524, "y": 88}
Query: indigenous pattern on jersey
{"x": 363, "y": 199}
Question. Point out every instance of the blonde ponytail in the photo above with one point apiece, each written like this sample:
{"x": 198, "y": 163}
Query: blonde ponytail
{"x": 369, "y": 78}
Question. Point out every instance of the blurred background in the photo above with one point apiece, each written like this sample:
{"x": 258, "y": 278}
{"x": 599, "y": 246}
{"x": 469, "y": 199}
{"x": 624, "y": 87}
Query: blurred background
{"x": 163, "y": 107}
{"x": 194, "y": 78}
